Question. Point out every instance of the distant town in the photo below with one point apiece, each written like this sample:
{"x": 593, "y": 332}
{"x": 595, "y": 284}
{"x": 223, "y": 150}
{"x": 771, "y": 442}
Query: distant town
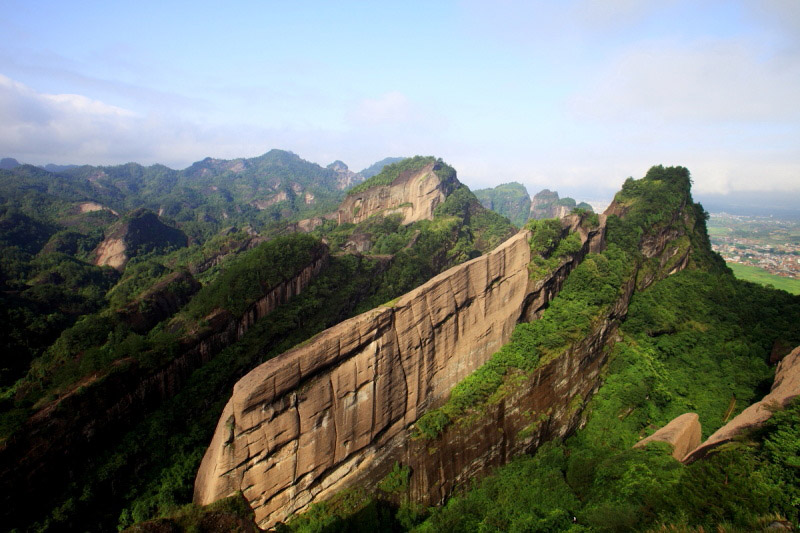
{"x": 765, "y": 242}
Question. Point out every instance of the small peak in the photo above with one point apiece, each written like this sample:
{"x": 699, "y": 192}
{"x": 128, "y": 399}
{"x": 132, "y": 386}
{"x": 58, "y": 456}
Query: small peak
{"x": 338, "y": 166}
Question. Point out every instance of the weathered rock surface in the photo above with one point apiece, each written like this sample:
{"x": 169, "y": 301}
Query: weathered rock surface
{"x": 785, "y": 388}
{"x": 51, "y": 449}
{"x": 140, "y": 231}
{"x": 414, "y": 194}
{"x": 340, "y": 410}
{"x": 320, "y": 417}
{"x": 683, "y": 433}
{"x": 546, "y": 204}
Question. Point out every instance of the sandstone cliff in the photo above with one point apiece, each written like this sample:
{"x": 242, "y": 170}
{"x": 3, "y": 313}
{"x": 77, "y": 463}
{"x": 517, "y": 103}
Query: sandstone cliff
{"x": 785, "y": 388}
{"x": 335, "y": 411}
{"x": 414, "y": 194}
{"x": 53, "y": 445}
{"x": 683, "y": 433}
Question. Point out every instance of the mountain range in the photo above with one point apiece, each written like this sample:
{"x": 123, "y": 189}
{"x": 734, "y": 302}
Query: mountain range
{"x": 268, "y": 343}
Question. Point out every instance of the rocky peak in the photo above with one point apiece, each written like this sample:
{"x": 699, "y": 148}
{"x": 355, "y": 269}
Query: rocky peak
{"x": 412, "y": 188}
{"x": 344, "y": 176}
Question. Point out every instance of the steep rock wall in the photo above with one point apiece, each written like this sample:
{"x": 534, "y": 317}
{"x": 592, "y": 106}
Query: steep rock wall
{"x": 52, "y": 447}
{"x": 326, "y": 415}
{"x": 414, "y": 194}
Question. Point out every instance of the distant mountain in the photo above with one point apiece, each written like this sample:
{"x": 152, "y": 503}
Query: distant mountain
{"x": 509, "y": 199}
{"x": 346, "y": 177}
{"x": 375, "y": 168}
{"x": 50, "y": 167}
{"x": 7, "y": 163}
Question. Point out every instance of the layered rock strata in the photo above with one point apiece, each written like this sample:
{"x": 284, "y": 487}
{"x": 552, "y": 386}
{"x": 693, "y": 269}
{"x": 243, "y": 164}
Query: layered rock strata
{"x": 51, "y": 449}
{"x": 785, "y": 388}
{"x": 335, "y": 411}
{"x": 414, "y": 194}
{"x": 683, "y": 433}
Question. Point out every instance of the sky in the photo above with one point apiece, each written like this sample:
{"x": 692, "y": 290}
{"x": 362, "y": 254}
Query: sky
{"x": 571, "y": 95}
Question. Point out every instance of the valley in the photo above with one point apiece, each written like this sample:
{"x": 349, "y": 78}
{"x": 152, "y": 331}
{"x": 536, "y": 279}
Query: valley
{"x": 269, "y": 343}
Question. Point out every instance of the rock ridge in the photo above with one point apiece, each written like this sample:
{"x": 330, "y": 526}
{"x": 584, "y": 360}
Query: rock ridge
{"x": 414, "y": 194}
{"x": 324, "y": 415}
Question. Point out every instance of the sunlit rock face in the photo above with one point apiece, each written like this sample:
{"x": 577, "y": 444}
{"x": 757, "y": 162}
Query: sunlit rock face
{"x": 414, "y": 194}
{"x": 337, "y": 410}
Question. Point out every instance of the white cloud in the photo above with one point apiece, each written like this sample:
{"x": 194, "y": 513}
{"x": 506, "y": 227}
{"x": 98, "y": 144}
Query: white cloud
{"x": 722, "y": 81}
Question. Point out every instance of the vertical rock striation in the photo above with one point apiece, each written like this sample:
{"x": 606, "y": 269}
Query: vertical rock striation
{"x": 414, "y": 194}
{"x": 338, "y": 410}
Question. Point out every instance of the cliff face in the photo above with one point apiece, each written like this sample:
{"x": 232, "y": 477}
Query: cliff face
{"x": 546, "y": 204}
{"x": 55, "y": 441}
{"x": 332, "y": 413}
{"x": 414, "y": 194}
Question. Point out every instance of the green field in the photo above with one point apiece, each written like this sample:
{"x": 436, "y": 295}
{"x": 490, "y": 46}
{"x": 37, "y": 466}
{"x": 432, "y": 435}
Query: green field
{"x": 759, "y": 275}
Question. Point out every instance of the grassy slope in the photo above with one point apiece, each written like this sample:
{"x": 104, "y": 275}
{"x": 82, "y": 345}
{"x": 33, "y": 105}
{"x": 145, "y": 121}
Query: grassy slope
{"x": 762, "y": 277}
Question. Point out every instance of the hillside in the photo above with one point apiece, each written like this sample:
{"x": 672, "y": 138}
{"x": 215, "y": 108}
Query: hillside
{"x": 544, "y": 385}
{"x": 376, "y": 361}
{"x": 512, "y": 201}
{"x": 509, "y": 199}
{"x": 173, "y": 329}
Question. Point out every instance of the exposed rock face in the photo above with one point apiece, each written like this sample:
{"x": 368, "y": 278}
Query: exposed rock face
{"x": 140, "y": 231}
{"x": 328, "y": 414}
{"x": 52, "y": 448}
{"x": 344, "y": 176}
{"x": 546, "y": 204}
{"x": 414, "y": 194}
{"x": 340, "y": 410}
{"x": 90, "y": 207}
{"x": 682, "y": 433}
{"x": 785, "y": 388}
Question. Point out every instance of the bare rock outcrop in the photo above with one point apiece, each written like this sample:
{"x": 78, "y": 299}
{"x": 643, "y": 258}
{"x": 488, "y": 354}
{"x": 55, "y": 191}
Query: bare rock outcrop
{"x": 140, "y": 231}
{"x": 785, "y": 388}
{"x": 332, "y": 412}
{"x": 340, "y": 410}
{"x": 683, "y": 433}
{"x": 414, "y": 194}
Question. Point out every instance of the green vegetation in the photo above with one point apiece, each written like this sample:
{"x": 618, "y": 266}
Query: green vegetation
{"x": 254, "y": 274}
{"x": 589, "y": 291}
{"x": 375, "y": 168}
{"x": 509, "y": 199}
{"x": 396, "y": 481}
{"x": 692, "y": 323}
{"x": 762, "y": 277}
{"x": 97, "y": 340}
{"x": 549, "y": 246}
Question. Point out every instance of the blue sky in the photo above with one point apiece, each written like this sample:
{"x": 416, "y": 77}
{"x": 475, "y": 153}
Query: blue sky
{"x": 574, "y": 96}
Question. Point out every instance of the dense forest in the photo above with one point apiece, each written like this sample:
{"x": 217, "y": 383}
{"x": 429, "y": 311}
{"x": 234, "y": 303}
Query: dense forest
{"x": 208, "y": 245}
